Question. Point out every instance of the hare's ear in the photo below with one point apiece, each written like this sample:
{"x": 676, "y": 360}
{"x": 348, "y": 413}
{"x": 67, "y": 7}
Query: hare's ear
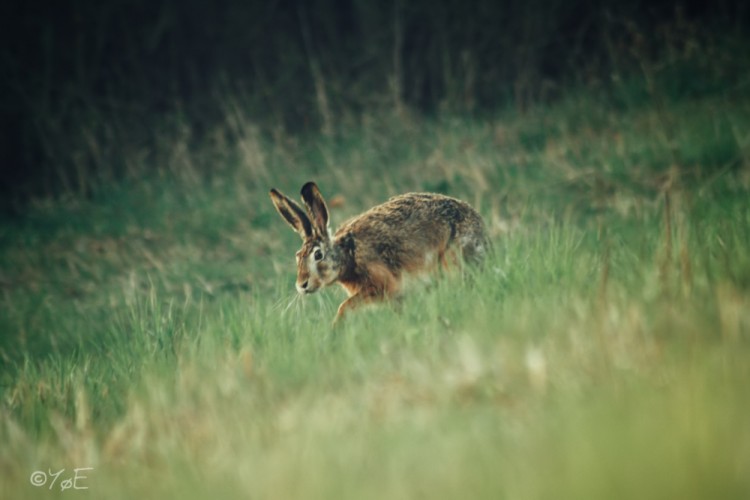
{"x": 292, "y": 213}
{"x": 317, "y": 208}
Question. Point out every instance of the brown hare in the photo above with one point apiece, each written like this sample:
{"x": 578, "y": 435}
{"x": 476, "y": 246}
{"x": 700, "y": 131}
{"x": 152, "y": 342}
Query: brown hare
{"x": 370, "y": 253}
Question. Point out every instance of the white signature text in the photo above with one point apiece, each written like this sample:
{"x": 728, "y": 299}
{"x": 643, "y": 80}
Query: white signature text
{"x": 75, "y": 480}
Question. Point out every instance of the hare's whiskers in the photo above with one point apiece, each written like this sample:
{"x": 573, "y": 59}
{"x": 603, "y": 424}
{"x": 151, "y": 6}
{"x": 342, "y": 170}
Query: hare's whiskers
{"x": 282, "y": 304}
{"x": 293, "y": 302}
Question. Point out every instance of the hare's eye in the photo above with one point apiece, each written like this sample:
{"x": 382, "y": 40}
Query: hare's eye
{"x": 318, "y": 255}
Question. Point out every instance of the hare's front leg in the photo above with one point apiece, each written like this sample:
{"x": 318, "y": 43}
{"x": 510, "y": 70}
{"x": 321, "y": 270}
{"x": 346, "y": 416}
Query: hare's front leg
{"x": 380, "y": 284}
{"x": 359, "y": 298}
{"x": 349, "y": 303}
{"x": 355, "y": 301}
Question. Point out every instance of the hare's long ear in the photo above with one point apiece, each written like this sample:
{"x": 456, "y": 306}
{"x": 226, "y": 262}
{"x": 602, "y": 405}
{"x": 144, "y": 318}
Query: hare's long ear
{"x": 292, "y": 213}
{"x": 317, "y": 208}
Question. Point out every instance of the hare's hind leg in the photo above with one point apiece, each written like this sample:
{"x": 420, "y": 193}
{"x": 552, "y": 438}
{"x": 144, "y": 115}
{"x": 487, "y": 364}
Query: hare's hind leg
{"x": 473, "y": 251}
{"x": 449, "y": 259}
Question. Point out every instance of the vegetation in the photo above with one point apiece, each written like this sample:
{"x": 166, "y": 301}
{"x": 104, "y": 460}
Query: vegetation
{"x": 151, "y": 331}
{"x": 97, "y": 92}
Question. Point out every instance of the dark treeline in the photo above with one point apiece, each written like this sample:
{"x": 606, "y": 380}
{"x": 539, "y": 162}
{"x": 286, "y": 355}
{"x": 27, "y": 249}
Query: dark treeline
{"x": 82, "y": 72}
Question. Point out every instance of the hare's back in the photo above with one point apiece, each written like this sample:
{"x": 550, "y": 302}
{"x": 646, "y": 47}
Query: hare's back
{"x": 412, "y": 212}
{"x": 412, "y": 224}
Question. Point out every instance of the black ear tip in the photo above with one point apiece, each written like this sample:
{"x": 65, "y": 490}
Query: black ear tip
{"x": 308, "y": 188}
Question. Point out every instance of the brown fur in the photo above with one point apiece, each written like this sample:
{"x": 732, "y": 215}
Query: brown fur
{"x": 369, "y": 254}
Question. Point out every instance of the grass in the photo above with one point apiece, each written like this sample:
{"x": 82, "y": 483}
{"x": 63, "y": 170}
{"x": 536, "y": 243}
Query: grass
{"x": 151, "y": 331}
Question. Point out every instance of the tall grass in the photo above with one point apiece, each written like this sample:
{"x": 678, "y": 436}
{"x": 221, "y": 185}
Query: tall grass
{"x": 151, "y": 331}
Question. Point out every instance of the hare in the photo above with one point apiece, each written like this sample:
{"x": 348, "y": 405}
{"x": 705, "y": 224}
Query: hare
{"x": 370, "y": 253}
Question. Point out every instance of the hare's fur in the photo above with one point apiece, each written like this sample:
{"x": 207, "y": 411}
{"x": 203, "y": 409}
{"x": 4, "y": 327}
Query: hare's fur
{"x": 370, "y": 253}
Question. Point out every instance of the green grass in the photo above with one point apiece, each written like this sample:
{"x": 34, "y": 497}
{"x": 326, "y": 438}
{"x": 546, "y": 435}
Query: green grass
{"x": 152, "y": 331}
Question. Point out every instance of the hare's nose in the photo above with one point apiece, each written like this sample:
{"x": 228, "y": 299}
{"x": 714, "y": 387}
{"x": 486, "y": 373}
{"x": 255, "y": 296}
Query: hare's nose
{"x": 302, "y": 287}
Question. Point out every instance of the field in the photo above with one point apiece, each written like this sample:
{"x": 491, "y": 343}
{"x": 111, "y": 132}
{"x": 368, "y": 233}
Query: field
{"x": 151, "y": 333}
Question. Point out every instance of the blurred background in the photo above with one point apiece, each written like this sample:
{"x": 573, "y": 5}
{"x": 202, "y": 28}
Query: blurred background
{"x": 93, "y": 92}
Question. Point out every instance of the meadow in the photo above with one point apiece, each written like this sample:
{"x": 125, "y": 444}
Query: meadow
{"x": 151, "y": 332}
